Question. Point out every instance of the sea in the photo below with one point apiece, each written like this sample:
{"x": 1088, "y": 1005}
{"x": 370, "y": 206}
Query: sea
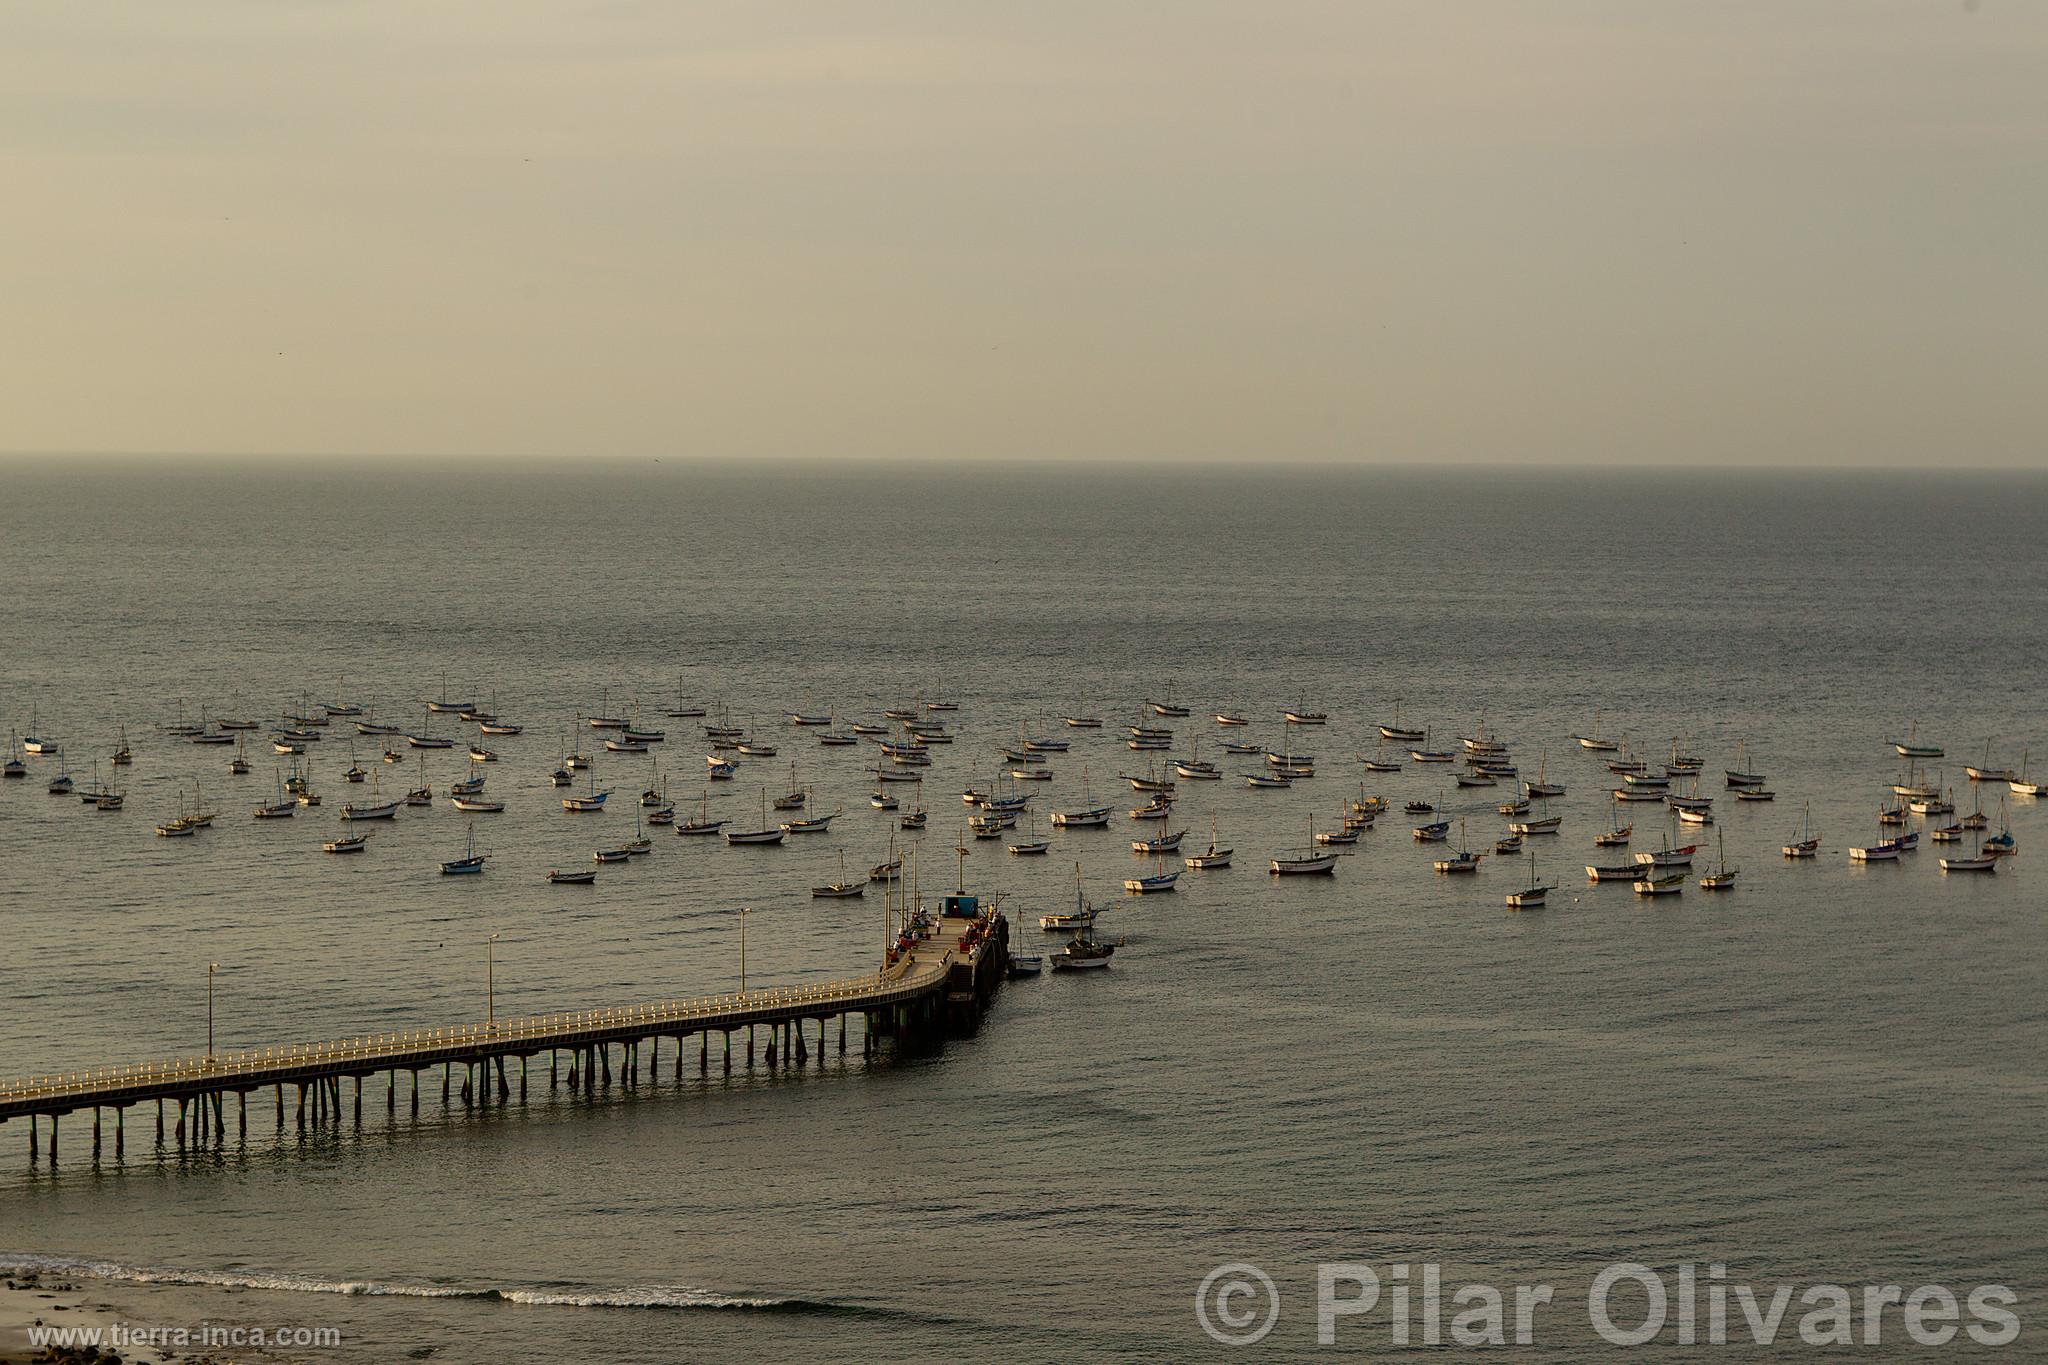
{"x": 1829, "y": 1074}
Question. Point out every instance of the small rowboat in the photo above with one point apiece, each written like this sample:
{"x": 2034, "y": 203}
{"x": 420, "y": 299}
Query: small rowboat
{"x": 584, "y": 877}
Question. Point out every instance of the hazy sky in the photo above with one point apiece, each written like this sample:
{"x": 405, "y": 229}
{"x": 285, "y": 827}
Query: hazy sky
{"x": 1517, "y": 230}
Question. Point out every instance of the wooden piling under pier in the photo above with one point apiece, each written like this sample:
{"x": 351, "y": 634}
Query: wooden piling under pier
{"x": 942, "y": 984}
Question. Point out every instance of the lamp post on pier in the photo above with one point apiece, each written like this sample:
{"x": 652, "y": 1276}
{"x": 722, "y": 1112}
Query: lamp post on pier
{"x": 211, "y": 967}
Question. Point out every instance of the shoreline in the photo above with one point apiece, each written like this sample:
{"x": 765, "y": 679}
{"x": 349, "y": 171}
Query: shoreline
{"x": 29, "y": 1298}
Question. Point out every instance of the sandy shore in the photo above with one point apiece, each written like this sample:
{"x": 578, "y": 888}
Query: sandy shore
{"x": 28, "y": 1299}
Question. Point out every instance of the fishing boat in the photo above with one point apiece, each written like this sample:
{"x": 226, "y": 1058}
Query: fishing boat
{"x": 602, "y": 721}
{"x": 1692, "y": 815}
{"x": 1985, "y": 772}
{"x": 1883, "y": 851}
{"x": 1613, "y": 872}
{"x": 915, "y": 819}
{"x": 766, "y": 834}
{"x": 1475, "y": 778}
{"x": 1160, "y": 881}
{"x": 1546, "y": 825}
{"x": 471, "y": 862}
{"x": 1980, "y": 861}
{"x": 1400, "y": 735}
{"x": 1435, "y": 832}
{"x": 1082, "y": 916}
{"x": 1167, "y": 709}
{"x": 703, "y": 824}
{"x": 1541, "y": 789}
{"x": 1661, "y": 886}
{"x": 61, "y": 785}
{"x": 1431, "y": 756}
{"x": 364, "y": 727}
{"x": 1532, "y": 895}
{"x": 1755, "y": 794}
{"x": 2020, "y": 786}
{"x": 1511, "y": 843}
{"x": 1082, "y": 722}
{"x": 1033, "y": 846}
{"x": 591, "y": 802}
{"x": 1305, "y": 717}
{"x": 122, "y": 755}
{"x": 833, "y": 739}
{"x": 429, "y": 742}
{"x": 609, "y": 855}
{"x": 1722, "y": 878}
{"x": 1341, "y": 838}
{"x": 1159, "y": 808}
{"x": 1596, "y": 742}
{"x": 881, "y": 800}
{"x": 1271, "y": 779}
{"x": 1083, "y": 952}
{"x": 1211, "y": 857}
{"x": 1088, "y": 816}
{"x": 1464, "y": 860}
{"x": 376, "y": 810}
{"x": 582, "y": 877}
{"x": 353, "y": 843}
{"x": 809, "y": 717}
{"x": 1306, "y": 861}
{"x": 2002, "y": 844}
{"x": 1739, "y": 775}
{"x": 1668, "y": 856}
{"x": 843, "y": 889}
{"x": 1165, "y": 843}
{"x": 476, "y": 805}
{"x": 1226, "y": 718}
{"x": 1910, "y": 746}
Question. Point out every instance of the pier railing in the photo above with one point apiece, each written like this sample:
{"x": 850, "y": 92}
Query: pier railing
{"x": 907, "y": 976}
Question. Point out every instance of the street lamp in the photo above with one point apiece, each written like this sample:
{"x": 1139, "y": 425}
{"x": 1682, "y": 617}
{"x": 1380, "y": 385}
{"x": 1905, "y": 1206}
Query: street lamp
{"x": 744, "y": 911}
{"x": 210, "y": 968}
{"x": 491, "y": 982}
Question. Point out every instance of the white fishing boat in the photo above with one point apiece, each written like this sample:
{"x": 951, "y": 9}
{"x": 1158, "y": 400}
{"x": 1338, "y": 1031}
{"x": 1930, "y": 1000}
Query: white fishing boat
{"x": 1613, "y": 872}
{"x": 1168, "y": 709}
{"x": 1464, "y": 860}
{"x": 476, "y": 805}
{"x": 1722, "y": 878}
{"x": 1399, "y": 734}
{"x": 1211, "y": 857}
{"x": 1261, "y": 780}
{"x": 353, "y": 843}
{"x": 1544, "y": 825}
{"x": 1986, "y": 772}
{"x": 591, "y": 802}
{"x": 765, "y": 834}
{"x": 1083, "y": 952}
{"x": 1910, "y": 746}
{"x": 1596, "y": 742}
{"x": 1226, "y": 718}
{"x": 2021, "y": 786}
{"x": 1165, "y": 843}
{"x": 1088, "y": 816}
{"x": 1306, "y": 861}
{"x": 1083, "y": 722}
{"x": 1531, "y": 896}
{"x": 379, "y": 810}
{"x": 1668, "y": 856}
{"x": 1661, "y": 886}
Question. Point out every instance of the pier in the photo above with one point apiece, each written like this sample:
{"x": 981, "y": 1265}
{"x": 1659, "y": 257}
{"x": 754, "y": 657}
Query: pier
{"x": 939, "y": 984}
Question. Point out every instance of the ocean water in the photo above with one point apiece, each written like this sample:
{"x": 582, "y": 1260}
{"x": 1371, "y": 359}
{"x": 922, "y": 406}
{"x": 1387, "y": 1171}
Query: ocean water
{"x": 1830, "y": 1074}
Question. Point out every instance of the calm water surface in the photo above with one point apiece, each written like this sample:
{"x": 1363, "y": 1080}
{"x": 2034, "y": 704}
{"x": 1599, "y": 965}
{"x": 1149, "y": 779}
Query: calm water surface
{"x": 1830, "y": 1074}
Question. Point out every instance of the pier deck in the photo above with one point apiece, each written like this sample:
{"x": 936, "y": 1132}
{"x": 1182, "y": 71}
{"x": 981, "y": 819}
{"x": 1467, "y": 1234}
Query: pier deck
{"x": 941, "y": 981}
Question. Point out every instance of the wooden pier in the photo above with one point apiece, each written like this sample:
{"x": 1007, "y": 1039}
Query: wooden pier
{"x": 940, "y": 984}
